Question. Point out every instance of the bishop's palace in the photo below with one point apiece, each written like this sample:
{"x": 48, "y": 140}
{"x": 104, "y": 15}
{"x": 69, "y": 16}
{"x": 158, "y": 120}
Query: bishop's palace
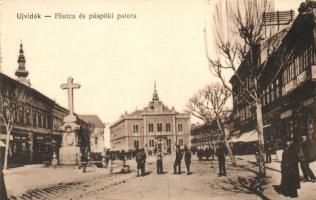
{"x": 154, "y": 127}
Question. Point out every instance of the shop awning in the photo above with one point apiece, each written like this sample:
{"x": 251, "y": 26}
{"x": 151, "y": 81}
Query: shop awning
{"x": 2, "y": 144}
{"x": 250, "y": 136}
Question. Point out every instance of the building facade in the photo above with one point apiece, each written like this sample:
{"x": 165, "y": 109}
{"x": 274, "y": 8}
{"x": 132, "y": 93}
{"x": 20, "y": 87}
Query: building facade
{"x": 288, "y": 91}
{"x": 96, "y": 130}
{"x": 36, "y": 133}
{"x": 156, "y": 126}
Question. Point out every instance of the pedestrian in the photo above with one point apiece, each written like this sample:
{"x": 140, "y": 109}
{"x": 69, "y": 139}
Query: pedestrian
{"x": 268, "y": 149}
{"x": 139, "y": 161}
{"x": 159, "y": 162}
{"x": 3, "y": 191}
{"x": 84, "y": 160}
{"x": 177, "y": 162}
{"x": 200, "y": 154}
{"x": 304, "y": 161}
{"x": 187, "y": 159}
{"x": 220, "y": 153}
{"x": 290, "y": 179}
{"x": 143, "y": 161}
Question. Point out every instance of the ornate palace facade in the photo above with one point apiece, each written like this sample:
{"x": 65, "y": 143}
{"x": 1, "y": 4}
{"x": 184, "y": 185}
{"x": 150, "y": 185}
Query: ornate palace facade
{"x": 156, "y": 126}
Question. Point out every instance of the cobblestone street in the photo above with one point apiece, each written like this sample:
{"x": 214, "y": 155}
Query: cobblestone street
{"x": 203, "y": 183}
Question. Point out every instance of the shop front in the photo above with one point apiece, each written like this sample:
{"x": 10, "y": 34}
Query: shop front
{"x": 44, "y": 147}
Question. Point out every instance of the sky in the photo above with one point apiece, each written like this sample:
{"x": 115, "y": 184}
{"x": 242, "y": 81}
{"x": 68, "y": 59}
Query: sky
{"x": 116, "y": 61}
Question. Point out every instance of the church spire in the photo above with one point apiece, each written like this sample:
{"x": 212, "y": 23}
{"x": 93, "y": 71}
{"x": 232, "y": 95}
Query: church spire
{"x": 155, "y": 95}
{"x": 21, "y": 72}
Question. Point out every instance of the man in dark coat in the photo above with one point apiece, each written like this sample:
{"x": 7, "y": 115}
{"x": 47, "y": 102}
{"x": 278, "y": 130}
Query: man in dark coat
{"x": 143, "y": 161}
{"x": 187, "y": 159}
{"x": 290, "y": 180}
{"x": 177, "y": 162}
{"x": 159, "y": 162}
{"x": 139, "y": 161}
{"x": 3, "y": 191}
{"x": 304, "y": 161}
{"x": 268, "y": 149}
{"x": 220, "y": 153}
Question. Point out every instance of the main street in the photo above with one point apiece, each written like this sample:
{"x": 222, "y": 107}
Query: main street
{"x": 203, "y": 183}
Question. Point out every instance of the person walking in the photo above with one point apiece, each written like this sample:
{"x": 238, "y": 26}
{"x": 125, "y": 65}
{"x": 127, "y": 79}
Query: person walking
{"x": 143, "y": 161}
{"x": 3, "y": 191}
{"x": 187, "y": 159}
{"x": 290, "y": 178}
{"x": 268, "y": 149}
{"x": 85, "y": 158}
{"x": 220, "y": 153}
{"x": 159, "y": 162}
{"x": 139, "y": 161}
{"x": 304, "y": 161}
{"x": 177, "y": 162}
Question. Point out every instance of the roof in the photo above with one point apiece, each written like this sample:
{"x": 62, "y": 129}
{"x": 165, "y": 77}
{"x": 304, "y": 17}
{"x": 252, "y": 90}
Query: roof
{"x": 93, "y": 119}
{"x": 136, "y": 113}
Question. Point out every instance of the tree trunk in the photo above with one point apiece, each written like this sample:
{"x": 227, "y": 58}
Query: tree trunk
{"x": 261, "y": 152}
{"x": 230, "y": 152}
{"x": 5, "y": 166}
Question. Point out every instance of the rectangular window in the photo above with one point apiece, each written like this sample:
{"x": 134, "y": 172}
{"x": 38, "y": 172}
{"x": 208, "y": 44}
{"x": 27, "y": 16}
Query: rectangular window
{"x": 159, "y": 127}
{"x": 168, "y": 142}
{"x": 268, "y": 96}
{"x": 135, "y": 128}
{"x": 180, "y": 128}
{"x": 168, "y": 127}
{"x": 150, "y": 128}
{"x": 28, "y": 117}
{"x": 277, "y": 88}
{"x": 136, "y": 144}
{"x": 34, "y": 118}
{"x": 44, "y": 121}
{"x": 181, "y": 142}
{"x": 39, "y": 119}
{"x": 272, "y": 92}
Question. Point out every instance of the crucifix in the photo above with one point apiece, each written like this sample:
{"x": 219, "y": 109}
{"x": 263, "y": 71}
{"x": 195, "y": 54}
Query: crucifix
{"x": 70, "y": 86}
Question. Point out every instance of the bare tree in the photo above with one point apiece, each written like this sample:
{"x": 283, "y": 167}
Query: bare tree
{"x": 12, "y": 98}
{"x": 210, "y": 104}
{"x": 242, "y": 38}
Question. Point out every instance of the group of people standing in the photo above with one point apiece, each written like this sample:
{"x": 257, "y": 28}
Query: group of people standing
{"x": 141, "y": 161}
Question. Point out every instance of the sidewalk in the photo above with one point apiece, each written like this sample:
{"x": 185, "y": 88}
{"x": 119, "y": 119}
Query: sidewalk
{"x": 275, "y": 164}
{"x": 307, "y": 190}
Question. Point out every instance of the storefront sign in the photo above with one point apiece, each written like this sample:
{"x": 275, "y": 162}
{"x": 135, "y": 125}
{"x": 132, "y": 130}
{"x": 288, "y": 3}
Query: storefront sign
{"x": 285, "y": 114}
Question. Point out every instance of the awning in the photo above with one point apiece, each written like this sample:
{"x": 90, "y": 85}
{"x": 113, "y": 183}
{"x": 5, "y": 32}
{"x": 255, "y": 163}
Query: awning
{"x": 250, "y": 136}
{"x": 2, "y": 144}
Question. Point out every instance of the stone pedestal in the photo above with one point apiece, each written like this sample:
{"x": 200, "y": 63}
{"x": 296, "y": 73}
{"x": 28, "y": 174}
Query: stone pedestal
{"x": 69, "y": 153}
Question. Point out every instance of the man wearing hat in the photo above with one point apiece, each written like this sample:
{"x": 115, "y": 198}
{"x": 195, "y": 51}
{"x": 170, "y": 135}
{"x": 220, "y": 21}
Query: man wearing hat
{"x": 304, "y": 161}
{"x": 177, "y": 162}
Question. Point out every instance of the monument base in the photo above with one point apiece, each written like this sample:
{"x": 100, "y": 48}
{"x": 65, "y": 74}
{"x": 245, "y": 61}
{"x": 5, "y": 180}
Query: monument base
{"x": 69, "y": 155}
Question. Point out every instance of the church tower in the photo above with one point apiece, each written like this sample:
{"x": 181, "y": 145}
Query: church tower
{"x": 21, "y": 72}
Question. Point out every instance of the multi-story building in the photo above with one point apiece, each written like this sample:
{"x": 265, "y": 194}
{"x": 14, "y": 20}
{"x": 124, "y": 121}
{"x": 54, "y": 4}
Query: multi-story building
{"x": 204, "y": 135}
{"x": 156, "y": 126}
{"x": 35, "y": 135}
{"x": 288, "y": 90}
{"x": 96, "y": 129}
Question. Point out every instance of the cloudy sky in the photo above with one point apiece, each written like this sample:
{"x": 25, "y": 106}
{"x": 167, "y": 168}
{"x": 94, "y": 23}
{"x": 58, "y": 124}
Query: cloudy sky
{"x": 116, "y": 61}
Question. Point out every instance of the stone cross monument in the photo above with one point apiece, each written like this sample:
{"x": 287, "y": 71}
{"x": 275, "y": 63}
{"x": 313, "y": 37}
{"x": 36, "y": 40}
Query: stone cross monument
{"x": 70, "y": 86}
{"x": 70, "y": 150}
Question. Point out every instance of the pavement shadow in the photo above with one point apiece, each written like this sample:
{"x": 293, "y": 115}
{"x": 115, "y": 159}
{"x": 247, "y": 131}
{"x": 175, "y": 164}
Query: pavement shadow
{"x": 254, "y": 184}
